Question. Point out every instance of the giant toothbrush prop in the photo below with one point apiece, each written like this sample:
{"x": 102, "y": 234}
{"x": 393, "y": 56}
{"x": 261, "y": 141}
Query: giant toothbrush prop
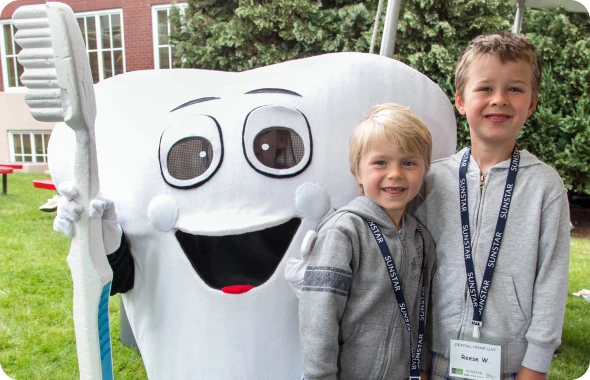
{"x": 57, "y": 74}
{"x": 216, "y": 178}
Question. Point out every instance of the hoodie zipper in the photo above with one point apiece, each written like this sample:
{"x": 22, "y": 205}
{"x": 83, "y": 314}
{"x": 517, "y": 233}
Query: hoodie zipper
{"x": 479, "y": 206}
{"x": 402, "y": 241}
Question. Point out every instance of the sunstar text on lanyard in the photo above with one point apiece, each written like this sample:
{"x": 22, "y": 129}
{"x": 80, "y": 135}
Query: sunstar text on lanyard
{"x": 479, "y": 301}
{"x": 401, "y": 300}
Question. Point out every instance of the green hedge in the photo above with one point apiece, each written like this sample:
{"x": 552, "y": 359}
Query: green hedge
{"x": 243, "y": 34}
{"x": 559, "y": 131}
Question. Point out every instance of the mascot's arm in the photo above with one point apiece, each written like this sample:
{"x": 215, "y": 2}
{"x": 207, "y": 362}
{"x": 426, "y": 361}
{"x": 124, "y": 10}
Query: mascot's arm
{"x": 120, "y": 258}
{"x": 295, "y": 268}
{"x": 121, "y": 262}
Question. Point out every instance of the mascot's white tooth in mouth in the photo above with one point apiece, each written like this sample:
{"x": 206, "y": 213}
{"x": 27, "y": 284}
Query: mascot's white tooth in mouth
{"x": 217, "y": 177}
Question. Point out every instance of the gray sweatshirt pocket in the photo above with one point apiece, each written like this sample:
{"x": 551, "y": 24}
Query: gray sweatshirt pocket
{"x": 508, "y": 320}
{"x": 448, "y": 296}
{"x": 363, "y": 354}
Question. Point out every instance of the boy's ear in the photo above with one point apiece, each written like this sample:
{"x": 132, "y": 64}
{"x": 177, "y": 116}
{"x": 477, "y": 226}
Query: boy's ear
{"x": 460, "y": 105}
{"x": 358, "y": 179}
{"x": 533, "y": 106}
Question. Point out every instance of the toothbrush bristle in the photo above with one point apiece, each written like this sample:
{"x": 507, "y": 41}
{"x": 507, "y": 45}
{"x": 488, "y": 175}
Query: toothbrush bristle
{"x": 35, "y": 78}
{"x": 40, "y": 76}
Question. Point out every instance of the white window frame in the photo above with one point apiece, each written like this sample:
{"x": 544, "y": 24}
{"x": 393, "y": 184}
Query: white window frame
{"x": 99, "y": 48}
{"x": 35, "y": 158}
{"x": 7, "y": 88}
{"x": 155, "y": 39}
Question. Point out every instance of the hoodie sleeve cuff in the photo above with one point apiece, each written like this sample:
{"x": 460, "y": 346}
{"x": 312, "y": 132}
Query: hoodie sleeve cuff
{"x": 538, "y": 357}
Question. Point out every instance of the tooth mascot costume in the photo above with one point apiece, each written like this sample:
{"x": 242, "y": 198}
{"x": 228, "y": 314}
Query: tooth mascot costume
{"x": 216, "y": 177}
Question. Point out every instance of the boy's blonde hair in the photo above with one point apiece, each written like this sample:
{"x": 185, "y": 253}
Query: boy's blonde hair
{"x": 505, "y": 46}
{"x": 398, "y": 126}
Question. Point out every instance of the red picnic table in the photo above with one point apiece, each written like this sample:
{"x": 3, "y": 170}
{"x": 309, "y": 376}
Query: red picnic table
{"x": 47, "y": 184}
{"x": 44, "y": 184}
{"x": 6, "y": 169}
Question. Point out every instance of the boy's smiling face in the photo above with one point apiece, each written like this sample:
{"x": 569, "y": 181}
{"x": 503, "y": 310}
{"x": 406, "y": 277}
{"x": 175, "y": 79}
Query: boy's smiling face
{"x": 391, "y": 178}
{"x": 497, "y": 99}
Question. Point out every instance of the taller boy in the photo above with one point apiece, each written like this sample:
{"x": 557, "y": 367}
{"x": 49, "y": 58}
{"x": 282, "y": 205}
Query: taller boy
{"x": 500, "y": 220}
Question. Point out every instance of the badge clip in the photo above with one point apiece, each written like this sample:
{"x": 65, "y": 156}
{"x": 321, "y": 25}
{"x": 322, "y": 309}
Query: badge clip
{"x": 476, "y": 325}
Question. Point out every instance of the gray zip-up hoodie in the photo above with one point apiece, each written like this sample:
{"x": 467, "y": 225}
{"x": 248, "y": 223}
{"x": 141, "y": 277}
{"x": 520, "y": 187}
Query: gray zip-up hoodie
{"x": 526, "y": 304}
{"x": 351, "y": 325}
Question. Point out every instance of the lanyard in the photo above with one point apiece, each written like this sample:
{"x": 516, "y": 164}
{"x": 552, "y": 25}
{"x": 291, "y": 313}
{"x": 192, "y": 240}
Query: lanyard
{"x": 401, "y": 300}
{"x": 479, "y": 301}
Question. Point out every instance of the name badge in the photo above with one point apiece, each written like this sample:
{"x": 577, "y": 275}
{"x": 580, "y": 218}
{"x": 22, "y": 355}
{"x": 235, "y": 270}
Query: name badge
{"x": 473, "y": 360}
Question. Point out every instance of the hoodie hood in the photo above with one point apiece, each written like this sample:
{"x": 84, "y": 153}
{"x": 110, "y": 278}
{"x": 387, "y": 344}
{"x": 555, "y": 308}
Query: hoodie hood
{"x": 526, "y": 159}
{"x": 367, "y": 209}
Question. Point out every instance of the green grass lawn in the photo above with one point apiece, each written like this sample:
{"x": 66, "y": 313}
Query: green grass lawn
{"x": 573, "y": 356}
{"x": 36, "y": 328}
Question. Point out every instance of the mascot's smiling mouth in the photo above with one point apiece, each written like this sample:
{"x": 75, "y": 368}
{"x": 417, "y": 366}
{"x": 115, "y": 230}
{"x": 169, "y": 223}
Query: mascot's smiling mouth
{"x": 237, "y": 263}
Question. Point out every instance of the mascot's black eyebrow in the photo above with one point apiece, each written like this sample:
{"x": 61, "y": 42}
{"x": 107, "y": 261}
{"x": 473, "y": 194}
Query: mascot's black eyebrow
{"x": 257, "y": 91}
{"x": 195, "y": 101}
{"x": 273, "y": 91}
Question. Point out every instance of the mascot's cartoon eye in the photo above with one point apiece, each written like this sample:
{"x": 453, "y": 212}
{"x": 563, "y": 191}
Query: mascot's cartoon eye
{"x": 190, "y": 158}
{"x": 278, "y": 148}
{"x": 277, "y": 141}
{"x": 191, "y": 151}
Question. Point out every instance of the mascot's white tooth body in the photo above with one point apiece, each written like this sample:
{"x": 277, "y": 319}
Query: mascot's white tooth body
{"x": 217, "y": 177}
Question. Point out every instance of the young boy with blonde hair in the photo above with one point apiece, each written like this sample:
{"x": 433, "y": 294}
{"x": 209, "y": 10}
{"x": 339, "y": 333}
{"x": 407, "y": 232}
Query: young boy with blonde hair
{"x": 366, "y": 287}
{"x": 500, "y": 220}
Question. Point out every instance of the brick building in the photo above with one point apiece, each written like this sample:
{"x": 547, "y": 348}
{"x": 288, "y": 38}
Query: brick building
{"x": 120, "y": 36}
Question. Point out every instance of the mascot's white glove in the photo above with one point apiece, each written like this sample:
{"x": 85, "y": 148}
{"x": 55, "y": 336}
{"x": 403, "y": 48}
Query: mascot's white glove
{"x": 69, "y": 211}
{"x": 295, "y": 269}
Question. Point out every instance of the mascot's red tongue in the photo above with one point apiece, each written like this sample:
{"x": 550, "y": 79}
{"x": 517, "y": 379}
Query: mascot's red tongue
{"x": 236, "y": 289}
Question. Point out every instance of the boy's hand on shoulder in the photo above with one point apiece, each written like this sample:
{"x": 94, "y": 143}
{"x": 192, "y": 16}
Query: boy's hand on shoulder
{"x": 529, "y": 374}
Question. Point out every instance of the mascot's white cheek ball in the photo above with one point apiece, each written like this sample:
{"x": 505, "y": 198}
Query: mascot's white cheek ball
{"x": 216, "y": 178}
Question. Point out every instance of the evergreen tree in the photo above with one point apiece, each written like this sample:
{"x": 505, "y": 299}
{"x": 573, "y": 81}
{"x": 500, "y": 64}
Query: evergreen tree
{"x": 241, "y": 35}
{"x": 237, "y": 35}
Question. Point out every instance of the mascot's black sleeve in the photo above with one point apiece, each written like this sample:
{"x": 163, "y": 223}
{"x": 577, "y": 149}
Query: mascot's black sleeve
{"x": 123, "y": 268}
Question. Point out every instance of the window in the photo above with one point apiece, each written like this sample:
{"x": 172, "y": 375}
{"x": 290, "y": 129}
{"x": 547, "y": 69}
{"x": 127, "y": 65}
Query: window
{"x": 103, "y": 36}
{"x": 164, "y": 53}
{"x": 28, "y": 146}
{"x": 102, "y": 33}
{"x": 11, "y": 69}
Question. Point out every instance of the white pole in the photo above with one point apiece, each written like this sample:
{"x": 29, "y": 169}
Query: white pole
{"x": 390, "y": 28}
{"x": 518, "y": 18}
